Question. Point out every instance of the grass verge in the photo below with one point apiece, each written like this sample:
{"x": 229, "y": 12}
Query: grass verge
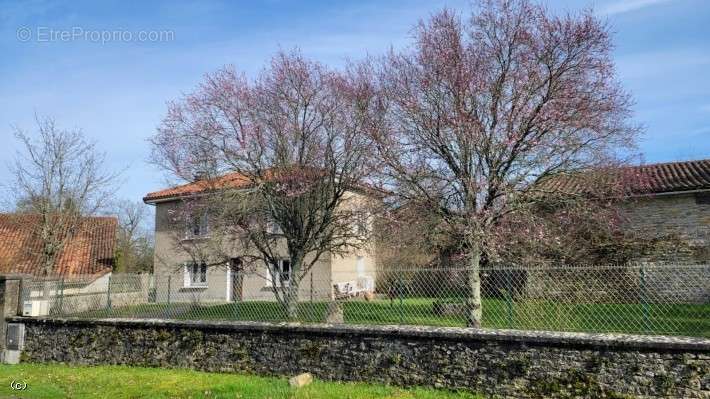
{"x": 678, "y": 319}
{"x": 119, "y": 382}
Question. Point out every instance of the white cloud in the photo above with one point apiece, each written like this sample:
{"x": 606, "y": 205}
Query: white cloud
{"x": 624, "y": 6}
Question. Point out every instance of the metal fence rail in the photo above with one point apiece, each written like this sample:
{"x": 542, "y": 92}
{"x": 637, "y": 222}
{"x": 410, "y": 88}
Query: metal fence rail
{"x": 647, "y": 299}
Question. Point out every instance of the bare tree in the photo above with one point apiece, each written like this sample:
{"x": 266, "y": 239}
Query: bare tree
{"x": 135, "y": 242}
{"x": 479, "y": 112}
{"x": 59, "y": 176}
{"x": 293, "y": 137}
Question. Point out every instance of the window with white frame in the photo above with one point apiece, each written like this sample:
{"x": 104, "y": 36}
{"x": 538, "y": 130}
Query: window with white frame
{"x": 197, "y": 226}
{"x": 195, "y": 274}
{"x": 282, "y": 273}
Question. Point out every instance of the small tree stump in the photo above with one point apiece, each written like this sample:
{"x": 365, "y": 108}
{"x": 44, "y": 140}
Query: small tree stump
{"x": 334, "y": 314}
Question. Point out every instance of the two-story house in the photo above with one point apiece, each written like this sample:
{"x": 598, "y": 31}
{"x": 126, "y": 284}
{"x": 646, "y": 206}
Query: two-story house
{"x": 180, "y": 278}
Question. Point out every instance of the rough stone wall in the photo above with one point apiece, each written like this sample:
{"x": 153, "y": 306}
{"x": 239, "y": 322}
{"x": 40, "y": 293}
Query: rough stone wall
{"x": 496, "y": 363}
{"x": 686, "y": 215}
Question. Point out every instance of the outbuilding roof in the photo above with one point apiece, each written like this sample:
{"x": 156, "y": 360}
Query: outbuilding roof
{"x": 90, "y": 251}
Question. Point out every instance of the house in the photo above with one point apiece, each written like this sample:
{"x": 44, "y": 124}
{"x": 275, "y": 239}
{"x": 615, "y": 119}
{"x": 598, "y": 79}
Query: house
{"x": 666, "y": 199}
{"x": 676, "y": 200}
{"x": 179, "y": 278}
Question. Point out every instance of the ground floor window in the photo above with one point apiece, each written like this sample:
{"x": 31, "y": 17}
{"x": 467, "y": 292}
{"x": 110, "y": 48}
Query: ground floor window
{"x": 196, "y": 274}
{"x": 281, "y": 272}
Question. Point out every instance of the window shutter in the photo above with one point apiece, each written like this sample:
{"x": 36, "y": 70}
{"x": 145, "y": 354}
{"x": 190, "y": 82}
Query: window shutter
{"x": 360, "y": 266}
{"x": 186, "y": 275}
{"x": 269, "y": 277}
{"x": 203, "y": 273}
{"x": 285, "y": 269}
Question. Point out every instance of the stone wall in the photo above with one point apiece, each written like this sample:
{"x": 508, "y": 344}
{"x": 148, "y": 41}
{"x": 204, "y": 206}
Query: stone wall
{"x": 684, "y": 215}
{"x": 497, "y": 363}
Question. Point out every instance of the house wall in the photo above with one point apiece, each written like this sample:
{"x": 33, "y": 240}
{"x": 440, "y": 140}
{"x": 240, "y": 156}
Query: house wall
{"x": 169, "y": 263}
{"x": 170, "y": 287}
{"x": 316, "y": 284}
{"x": 358, "y": 262}
{"x": 169, "y": 260}
{"x": 683, "y": 214}
{"x": 345, "y": 268}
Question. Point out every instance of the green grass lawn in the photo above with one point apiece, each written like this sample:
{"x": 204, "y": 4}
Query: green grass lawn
{"x": 116, "y": 382}
{"x": 690, "y": 320}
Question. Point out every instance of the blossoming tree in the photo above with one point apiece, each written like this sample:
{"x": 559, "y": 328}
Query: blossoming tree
{"x": 478, "y": 112}
{"x": 294, "y": 137}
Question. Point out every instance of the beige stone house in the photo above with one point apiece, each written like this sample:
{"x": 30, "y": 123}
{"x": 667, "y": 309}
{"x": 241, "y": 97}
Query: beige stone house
{"x": 665, "y": 199}
{"x": 180, "y": 279}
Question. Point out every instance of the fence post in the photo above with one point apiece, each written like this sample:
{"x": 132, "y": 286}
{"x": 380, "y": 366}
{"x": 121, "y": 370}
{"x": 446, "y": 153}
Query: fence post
{"x": 61, "y": 296}
{"x": 399, "y": 295}
{"x": 644, "y": 301}
{"x": 10, "y": 305}
{"x": 108, "y": 294}
{"x": 168, "y": 289}
{"x": 509, "y": 298}
{"x": 239, "y": 276}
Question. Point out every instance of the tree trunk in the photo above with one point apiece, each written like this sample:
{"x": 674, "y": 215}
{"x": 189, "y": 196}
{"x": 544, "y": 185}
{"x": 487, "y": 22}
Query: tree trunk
{"x": 474, "y": 310}
{"x": 292, "y": 300}
{"x": 48, "y": 269}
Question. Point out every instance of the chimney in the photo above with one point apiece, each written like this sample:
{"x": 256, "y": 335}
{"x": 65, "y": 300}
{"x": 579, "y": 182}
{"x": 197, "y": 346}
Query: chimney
{"x": 200, "y": 175}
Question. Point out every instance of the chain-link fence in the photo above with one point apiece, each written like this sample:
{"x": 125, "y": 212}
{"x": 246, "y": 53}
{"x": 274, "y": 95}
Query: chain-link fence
{"x": 650, "y": 299}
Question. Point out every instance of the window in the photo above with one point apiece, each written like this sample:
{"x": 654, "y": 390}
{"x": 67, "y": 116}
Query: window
{"x": 283, "y": 272}
{"x": 361, "y": 228}
{"x": 197, "y": 226}
{"x": 273, "y": 228}
{"x": 195, "y": 274}
{"x": 362, "y": 224}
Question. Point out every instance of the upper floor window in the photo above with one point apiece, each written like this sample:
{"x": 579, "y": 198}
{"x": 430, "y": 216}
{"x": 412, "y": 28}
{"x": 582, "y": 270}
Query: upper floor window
{"x": 362, "y": 224}
{"x": 197, "y": 226}
{"x": 361, "y": 227}
{"x": 273, "y": 228}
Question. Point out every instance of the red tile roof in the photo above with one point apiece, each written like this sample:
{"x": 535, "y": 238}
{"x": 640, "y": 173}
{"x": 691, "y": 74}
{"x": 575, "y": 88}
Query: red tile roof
{"x": 647, "y": 179}
{"x": 90, "y": 252}
{"x": 229, "y": 180}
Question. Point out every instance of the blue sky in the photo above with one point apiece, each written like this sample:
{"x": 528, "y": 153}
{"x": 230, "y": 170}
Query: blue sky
{"x": 116, "y": 91}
